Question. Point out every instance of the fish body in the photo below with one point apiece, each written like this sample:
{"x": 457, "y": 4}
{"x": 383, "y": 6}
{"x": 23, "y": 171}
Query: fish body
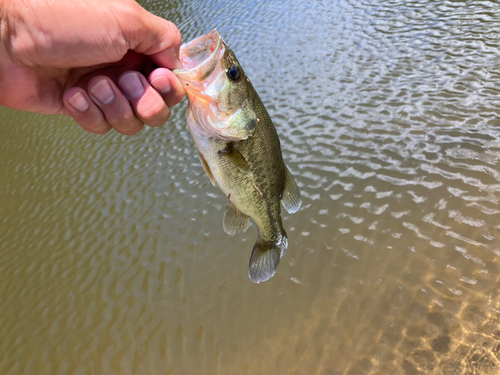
{"x": 239, "y": 148}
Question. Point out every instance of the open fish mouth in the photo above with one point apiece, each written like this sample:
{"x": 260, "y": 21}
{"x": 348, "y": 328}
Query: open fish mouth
{"x": 200, "y": 56}
{"x": 213, "y": 112}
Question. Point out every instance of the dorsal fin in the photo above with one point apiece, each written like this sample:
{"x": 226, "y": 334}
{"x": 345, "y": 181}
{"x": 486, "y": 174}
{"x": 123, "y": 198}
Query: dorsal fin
{"x": 234, "y": 220}
{"x": 291, "y": 195}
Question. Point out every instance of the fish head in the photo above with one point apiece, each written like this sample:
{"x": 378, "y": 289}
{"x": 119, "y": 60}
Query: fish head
{"x": 220, "y": 95}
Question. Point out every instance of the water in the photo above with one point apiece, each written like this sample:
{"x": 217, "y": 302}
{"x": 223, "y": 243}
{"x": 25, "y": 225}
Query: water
{"x": 112, "y": 255}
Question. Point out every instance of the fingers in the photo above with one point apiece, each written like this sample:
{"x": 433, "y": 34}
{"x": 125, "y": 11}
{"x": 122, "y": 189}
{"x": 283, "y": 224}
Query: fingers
{"x": 101, "y": 108}
{"x": 125, "y": 106}
{"x": 167, "y": 84}
{"x": 79, "y": 106}
{"x": 147, "y": 103}
{"x": 114, "y": 105}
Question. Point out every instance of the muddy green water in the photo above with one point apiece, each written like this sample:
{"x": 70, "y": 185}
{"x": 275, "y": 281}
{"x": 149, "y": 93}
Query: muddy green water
{"x": 112, "y": 255}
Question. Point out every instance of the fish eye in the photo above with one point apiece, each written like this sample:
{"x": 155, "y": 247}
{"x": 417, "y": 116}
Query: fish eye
{"x": 234, "y": 73}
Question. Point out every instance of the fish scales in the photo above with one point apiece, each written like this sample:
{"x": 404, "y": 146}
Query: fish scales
{"x": 263, "y": 155}
{"x": 239, "y": 148}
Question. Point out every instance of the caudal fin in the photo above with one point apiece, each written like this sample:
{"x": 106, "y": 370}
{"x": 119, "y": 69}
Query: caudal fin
{"x": 265, "y": 258}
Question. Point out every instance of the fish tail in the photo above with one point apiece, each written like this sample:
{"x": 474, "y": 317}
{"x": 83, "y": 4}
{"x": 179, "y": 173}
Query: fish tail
{"x": 265, "y": 257}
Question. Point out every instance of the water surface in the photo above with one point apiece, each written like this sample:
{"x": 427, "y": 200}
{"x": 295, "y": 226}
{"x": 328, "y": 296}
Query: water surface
{"x": 113, "y": 259}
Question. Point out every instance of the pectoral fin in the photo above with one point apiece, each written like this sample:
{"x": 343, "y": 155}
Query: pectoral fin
{"x": 234, "y": 220}
{"x": 206, "y": 167}
{"x": 291, "y": 195}
{"x": 232, "y": 154}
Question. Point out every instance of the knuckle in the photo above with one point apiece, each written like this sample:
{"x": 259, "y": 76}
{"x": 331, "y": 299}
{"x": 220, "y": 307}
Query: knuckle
{"x": 96, "y": 127}
{"x": 131, "y": 130}
{"x": 129, "y": 117}
{"x": 124, "y": 117}
{"x": 102, "y": 130}
{"x": 125, "y": 122}
{"x": 155, "y": 115}
{"x": 174, "y": 33}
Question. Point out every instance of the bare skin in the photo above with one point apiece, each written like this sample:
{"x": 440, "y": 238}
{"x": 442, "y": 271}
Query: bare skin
{"x": 106, "y": 63}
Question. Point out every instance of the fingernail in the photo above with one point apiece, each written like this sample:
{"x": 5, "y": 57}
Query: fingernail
{"x": 162, "y": 84}
{"x": 132, "y": 85}
{"x": 79, "y": 102}
{"x": 103, "y": 92}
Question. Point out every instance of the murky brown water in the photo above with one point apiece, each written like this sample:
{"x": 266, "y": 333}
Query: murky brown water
{"x": 112, "y": 255}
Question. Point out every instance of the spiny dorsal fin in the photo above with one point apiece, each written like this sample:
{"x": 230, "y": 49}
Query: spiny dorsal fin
{"x": 234, "y": 220}
{"x": 291, "y": 195}
{"x": 234, "y": 156}
{"x": 206, "y": 167}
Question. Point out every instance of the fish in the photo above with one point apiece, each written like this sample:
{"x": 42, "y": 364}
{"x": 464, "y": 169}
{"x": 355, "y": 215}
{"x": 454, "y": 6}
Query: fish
{"x": 239, "y": 148}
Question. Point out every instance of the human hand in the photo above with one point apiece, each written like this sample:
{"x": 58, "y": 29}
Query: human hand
{"x": 94, "y": 60}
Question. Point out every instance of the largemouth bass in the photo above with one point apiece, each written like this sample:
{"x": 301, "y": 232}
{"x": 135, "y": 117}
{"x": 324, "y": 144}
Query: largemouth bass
{"x": 239, "y": 148}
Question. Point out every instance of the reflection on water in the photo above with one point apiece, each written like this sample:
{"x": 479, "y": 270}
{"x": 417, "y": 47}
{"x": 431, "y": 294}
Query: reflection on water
{"x": 112, "y": 255}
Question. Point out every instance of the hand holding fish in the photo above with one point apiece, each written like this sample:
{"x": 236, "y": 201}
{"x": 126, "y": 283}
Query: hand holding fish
{"x": 93, "y": 60}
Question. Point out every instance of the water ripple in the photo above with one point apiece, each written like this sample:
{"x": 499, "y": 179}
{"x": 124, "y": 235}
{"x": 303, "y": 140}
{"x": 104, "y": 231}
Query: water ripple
{"x": 113, "y": 258}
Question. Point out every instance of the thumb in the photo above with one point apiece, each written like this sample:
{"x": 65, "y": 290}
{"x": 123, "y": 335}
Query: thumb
{"x": 155, "y": 37}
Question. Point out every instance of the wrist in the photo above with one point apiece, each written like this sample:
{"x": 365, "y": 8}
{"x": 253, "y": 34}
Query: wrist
{"x": 6, "y": 7}
{"x": 3, "y": 22}
{"x": 4, "y": 58}
{"x": 7, "y": 63}
{"x": 5, "y": 10}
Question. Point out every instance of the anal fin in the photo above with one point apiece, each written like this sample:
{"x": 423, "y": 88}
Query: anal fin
{"x": 206, "y": 167}
{"x": 291, "y": 195}
{"x": 234, "y": 220}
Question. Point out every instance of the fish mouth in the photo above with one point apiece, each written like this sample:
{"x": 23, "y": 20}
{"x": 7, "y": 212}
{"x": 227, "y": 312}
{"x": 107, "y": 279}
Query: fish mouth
{"x": 200, "y": 56}
{"x": 203, "y": 76}
{"x": 201, "y": 50}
